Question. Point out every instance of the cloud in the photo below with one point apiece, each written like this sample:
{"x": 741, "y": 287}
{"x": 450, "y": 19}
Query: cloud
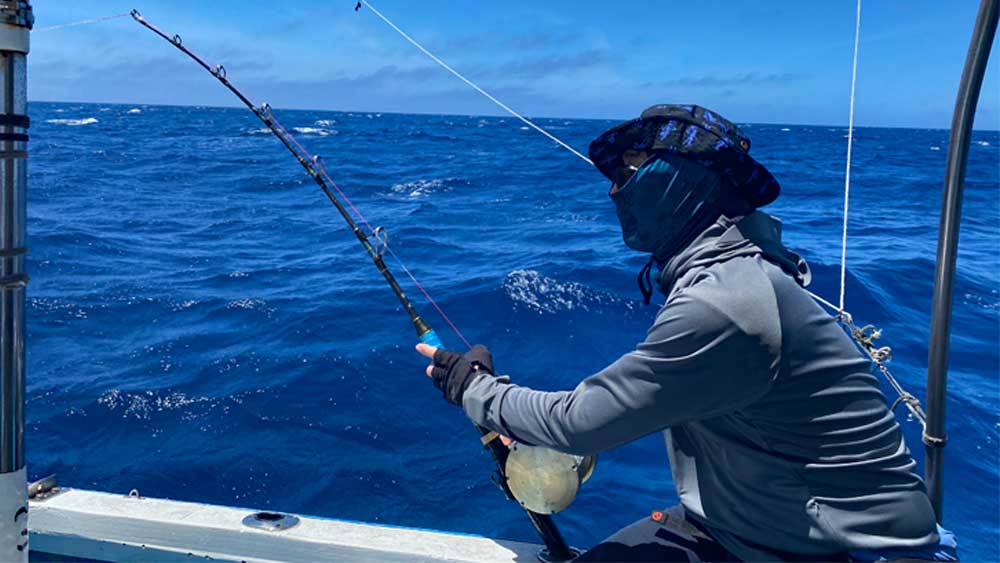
{"x": 495, "y": 41}
{"x": 727, "y": 82}
{"x": 540, "y": 67}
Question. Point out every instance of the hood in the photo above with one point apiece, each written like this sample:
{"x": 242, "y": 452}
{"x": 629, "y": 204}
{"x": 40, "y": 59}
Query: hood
{"x": 756, "y": 233}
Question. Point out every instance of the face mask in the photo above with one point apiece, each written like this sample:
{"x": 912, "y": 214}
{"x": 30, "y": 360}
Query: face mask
{"x": 666, "y": 203}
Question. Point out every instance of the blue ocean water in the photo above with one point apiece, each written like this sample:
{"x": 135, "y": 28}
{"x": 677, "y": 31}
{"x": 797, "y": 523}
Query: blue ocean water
{"x": 202, "y": 326}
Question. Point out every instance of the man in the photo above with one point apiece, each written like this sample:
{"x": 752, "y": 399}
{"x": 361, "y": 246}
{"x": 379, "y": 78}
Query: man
{"x": 780, "y": 442}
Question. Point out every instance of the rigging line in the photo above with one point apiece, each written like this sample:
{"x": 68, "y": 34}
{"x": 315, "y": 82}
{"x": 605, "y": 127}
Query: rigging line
{"x": 458, "y": 75}
{"x": 81, "y": 22}
{"x": 878, "y": 358}
{"x": 850, "y": 143}
{"x": 832, "y": 307}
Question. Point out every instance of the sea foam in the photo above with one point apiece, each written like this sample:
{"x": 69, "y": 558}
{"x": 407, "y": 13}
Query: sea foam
{"x": 72, "y": 122}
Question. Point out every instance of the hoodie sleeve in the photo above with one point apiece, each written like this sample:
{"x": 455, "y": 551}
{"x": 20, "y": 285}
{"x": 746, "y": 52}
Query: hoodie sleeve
{"x": 695, "y": 363}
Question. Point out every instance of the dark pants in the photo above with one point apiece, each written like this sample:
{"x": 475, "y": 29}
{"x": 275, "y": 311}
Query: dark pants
{"x": 669, "y": 537}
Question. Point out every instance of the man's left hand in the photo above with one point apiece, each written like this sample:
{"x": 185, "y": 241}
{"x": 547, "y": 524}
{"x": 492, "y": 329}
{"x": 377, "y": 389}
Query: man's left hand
{"x": 453, "y": 372}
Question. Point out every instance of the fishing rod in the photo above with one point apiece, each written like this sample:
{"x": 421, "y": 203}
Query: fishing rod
{"x": 556, "y": 548}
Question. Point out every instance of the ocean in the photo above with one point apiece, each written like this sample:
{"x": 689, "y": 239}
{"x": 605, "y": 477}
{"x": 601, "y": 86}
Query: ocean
{"x": 202, "y": 326}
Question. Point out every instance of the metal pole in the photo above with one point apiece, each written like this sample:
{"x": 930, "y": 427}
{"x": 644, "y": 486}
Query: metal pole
{"x": 951, "y": 214}
{"x": 16, "y": 20}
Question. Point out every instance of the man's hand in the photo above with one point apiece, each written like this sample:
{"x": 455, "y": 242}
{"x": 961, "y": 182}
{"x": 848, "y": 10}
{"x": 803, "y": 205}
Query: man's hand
{"x": 453, "y": 372}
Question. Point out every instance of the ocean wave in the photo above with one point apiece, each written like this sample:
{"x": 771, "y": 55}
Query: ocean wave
{"x": 314, "y": 131}
{"x": 134, "y": 111}
{"x": 247, "y": 303}
{"x": 325, "y": 122}
{"x": 142, "y": 404}
{"x": 988, "y": 302}
{"x": 543, "y": 294}
{"x": 182, "y": 305}
{"x": 72, "y": 122}
{"x": 420, "y": 134}
{"x": 421, "y": 188}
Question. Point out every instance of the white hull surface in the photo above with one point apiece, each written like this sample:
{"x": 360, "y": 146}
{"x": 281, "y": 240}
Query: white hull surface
{"x": 107, "y": 527}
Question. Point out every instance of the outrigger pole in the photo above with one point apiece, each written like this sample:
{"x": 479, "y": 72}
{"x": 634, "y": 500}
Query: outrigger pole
{"x": 16, "y": 20}
{"x": 556, "y": 548}
{"x": 951, "y": 215}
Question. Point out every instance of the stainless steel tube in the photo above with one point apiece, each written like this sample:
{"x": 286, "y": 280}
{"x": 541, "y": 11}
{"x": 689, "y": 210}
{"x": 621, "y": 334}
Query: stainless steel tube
{"x": 15, "y": 23}
{"x": 947, "y": 251}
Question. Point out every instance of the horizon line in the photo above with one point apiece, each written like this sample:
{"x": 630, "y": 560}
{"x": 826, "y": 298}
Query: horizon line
{"x": 241, "y": 106}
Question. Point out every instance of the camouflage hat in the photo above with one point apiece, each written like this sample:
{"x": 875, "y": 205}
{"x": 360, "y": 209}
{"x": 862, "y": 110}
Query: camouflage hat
{"x": 696, "y": 133}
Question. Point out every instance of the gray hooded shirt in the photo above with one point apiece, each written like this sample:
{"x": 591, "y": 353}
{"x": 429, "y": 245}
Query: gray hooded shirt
{"x": 778, "y": 436}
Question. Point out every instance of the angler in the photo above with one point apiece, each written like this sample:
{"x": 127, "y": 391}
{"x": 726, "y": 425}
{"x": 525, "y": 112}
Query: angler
{"x": 781, "y": 445}
{"x": 556, "y": 548}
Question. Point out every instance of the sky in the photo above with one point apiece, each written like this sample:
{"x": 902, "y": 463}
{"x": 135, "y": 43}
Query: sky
{"x": 754, "y": 62}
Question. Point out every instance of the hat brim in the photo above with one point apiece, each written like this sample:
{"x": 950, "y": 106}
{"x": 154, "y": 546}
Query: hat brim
{"x": 750, "y": 178}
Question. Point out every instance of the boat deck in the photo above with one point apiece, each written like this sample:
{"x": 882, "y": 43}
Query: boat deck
{"x": 87, "y": 525}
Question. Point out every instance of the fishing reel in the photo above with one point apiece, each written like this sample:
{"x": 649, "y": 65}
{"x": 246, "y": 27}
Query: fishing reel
{"x": 543, "y": 480}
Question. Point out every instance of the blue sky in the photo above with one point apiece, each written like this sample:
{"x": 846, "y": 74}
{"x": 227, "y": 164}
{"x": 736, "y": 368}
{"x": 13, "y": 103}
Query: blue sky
{"x": 761, "y": 62}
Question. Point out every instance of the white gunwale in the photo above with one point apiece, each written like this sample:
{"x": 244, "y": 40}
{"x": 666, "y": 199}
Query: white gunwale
{"x": 111, "y": 527}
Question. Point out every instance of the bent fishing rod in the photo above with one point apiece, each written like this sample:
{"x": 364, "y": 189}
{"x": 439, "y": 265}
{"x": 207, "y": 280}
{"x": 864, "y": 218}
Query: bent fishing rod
{"x": 556, "y": 548}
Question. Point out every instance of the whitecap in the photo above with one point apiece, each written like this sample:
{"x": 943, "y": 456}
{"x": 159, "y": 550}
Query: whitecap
{"x": 324, "y": 122}
{"x": 186, "y": 304}
{"x": 547, "y": 295}
{"x": 140, "y": 405}
{"x": 134, "y": 111}
{"x": 259, "y": 131}
{"x": 983, "y": 143}
{"x": 246, "y": 304}
{"x": 785, "y": 129}
{"x": 418, "y": 188}
{"x": 72, "y": 122}
{"x": 314, "y": 131}
{"x": 935, "y": 148}
{"x": 525, "y": 128}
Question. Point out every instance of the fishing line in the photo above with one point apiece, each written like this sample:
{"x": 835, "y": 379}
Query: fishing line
{"x": 474, "y": 86}
{"x": 863, "y": 336}
{"x": 321, "y": 169}
{"x": 556, "y": 548}
{"x": 847, "y": 173}
{"x": 312, "y": 166}
{"x": 81, "y": 22}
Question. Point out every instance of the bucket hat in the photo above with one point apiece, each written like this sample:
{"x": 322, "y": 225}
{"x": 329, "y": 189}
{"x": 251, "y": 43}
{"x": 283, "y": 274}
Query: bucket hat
{"x": 696, "y": 133}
